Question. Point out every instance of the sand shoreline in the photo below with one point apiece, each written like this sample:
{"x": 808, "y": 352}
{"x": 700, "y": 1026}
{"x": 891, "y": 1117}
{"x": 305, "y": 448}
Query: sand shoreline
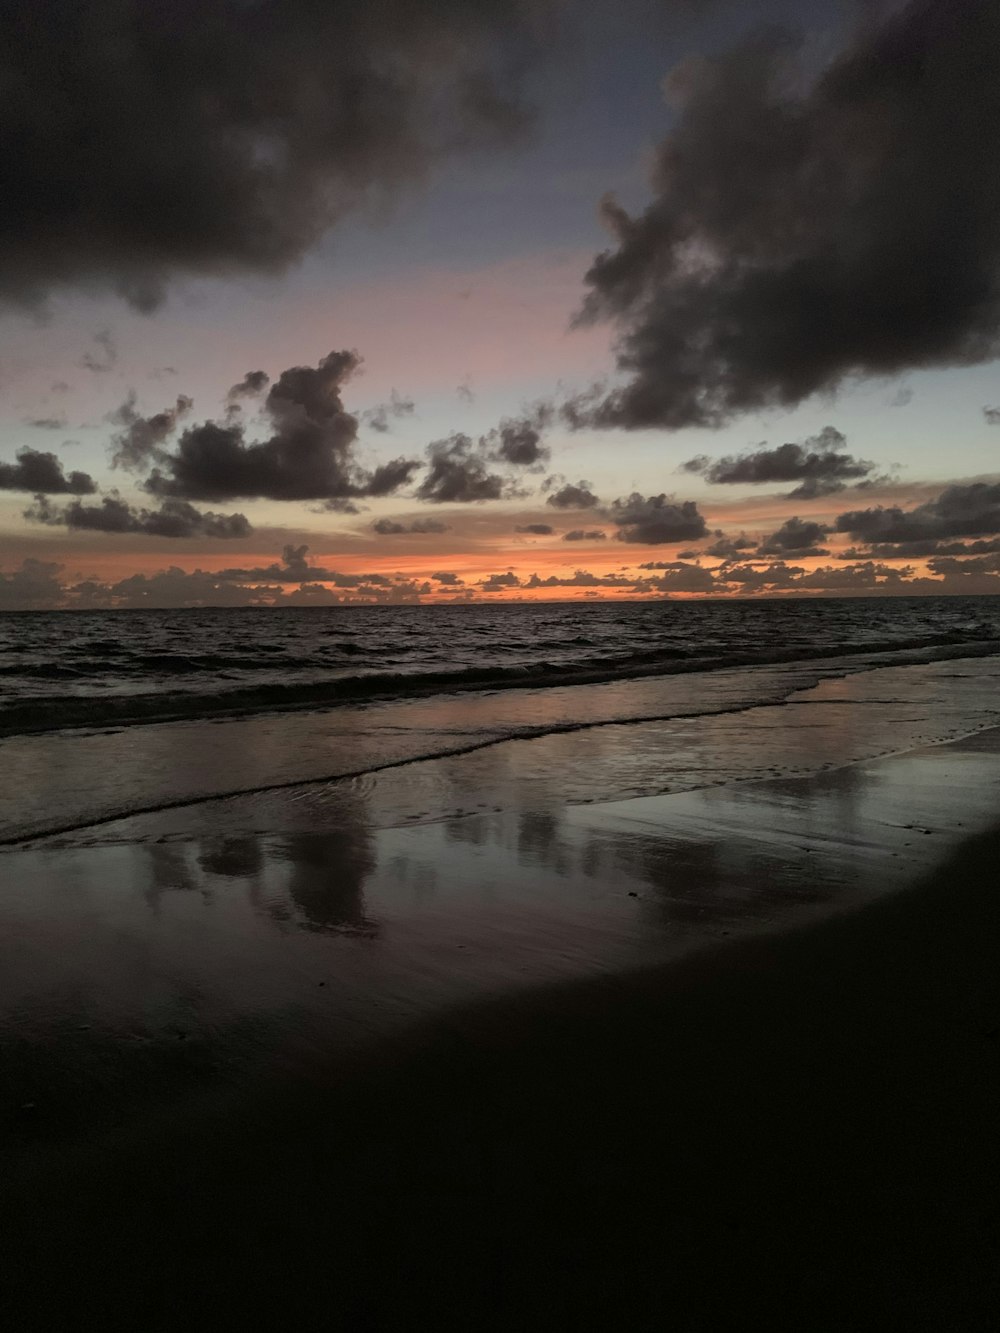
{"x": 795, "y": 1129}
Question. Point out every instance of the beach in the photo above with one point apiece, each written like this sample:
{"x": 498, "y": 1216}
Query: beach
{"x": 711, "y": 1058}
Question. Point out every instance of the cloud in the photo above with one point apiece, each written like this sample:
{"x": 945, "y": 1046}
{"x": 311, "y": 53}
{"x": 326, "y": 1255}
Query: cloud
{"x": 380, "y": 416}
{"x": 584, "y": 535}
{"x": 992, "y": 415}
{"x": 569, "y": 496}
{"x": 388, "y": 527}
{"x": 254, "y": 382}
{"x": 465, "y": 393}
{"x": 105, "y": 358}
{"x": 681, "y": 577}
{"x": 819, "y": 465}
{"x": 656, "y": 519}
{"x": 794, "y": 240}
{"x": 581, "y": 579}
{"x": 139, "y": 441}
{"x": 42, "y": 473}
{"x": 47, "y": 423}
{"x": 959, "y": 511}
{"x": 799, "y": 536}
{"x": 918, "y": 550}
{"x": 279, "y": 117}
{"x": 34, "y": 585}
{"x": 308, "y": 456}
{"x": 730, "y": 548}
{"x": 448, "y": 580}
{"x": 174, "y": 518}
{"x": 536, "y": 529}
{"x": 459, "y": 472}
{"x": 498, "y": 582}
{"x": 520, "y": 444}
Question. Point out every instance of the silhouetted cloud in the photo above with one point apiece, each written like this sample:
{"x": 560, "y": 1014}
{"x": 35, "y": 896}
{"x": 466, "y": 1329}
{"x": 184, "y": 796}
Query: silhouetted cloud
{"x": 448, "y": 580}
{"x": 992, "y": 415}
{"x": 581, "y": 579}
{"x": 569, "y": 496}
{"x": 681, "y": 577}
{"x": 34, "y": 585}
{"x": 174, "y": 518}
{"x": 519, "y": 443}
{"x": 818, "y": 464}
{"x": 656, "y": 519}
{"x": 42, "y": 473}
{"x": 536, "y": 529}
{"x": 797, "y": 536}
{"x": 917, "y": 550}
{"x": 499, "y": 582}
{"x": 379, "y": 417}
{"x": 731, "y": 548}
{"x": 959, "y": 511}
{"x": 458, "y": 472}
{"x": 254, "y": 382}
{"x": 139, "y": 441}
{"x": 388, "y": 527}
{"x": 308, "y": 456}
{"x": 584, "y": 535}
{"x": 278, "y": 117}
{"x": 795, "y": 237}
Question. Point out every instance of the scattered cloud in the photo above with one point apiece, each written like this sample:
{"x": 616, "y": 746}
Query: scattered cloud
{"x": 380, "y": 417}
{"x": 568, "y": 496}
{"x": 819, "y": 464}
{"x": 42, "y": 473}
{"x": 388, "y": 527}
{"x": 971, "y": 510}
{"x": 584, "y": 535}
{"x": 536, "y": 529}
{"x": 47, "y": 423}
{"x": 799, "y": 536}
{"x": 174, "y": 518}
{"x": 139, "y": 441}
{"x": 656, "y": 519}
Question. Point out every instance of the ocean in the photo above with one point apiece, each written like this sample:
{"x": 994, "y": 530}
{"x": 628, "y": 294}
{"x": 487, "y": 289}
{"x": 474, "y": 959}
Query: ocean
{"x": 106, "y": 716}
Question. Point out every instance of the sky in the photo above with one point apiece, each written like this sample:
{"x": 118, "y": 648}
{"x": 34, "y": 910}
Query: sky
{"x": 307, "y": 303}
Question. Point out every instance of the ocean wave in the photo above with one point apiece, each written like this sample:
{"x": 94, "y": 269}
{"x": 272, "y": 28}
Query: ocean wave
{"x": 58, "y": 712}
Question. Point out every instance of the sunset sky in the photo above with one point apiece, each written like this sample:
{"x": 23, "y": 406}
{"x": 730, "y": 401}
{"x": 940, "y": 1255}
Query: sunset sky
{"x": 780, "y": 378}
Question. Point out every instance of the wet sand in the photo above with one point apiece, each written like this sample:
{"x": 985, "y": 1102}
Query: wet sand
{"x": 717, "y": 1060}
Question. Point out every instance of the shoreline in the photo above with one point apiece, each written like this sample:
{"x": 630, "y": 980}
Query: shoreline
{"x": 793, "y": 1126}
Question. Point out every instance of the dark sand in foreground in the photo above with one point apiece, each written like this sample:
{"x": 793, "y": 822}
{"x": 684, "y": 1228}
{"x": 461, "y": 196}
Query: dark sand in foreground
{"x": 796, "y": 1129}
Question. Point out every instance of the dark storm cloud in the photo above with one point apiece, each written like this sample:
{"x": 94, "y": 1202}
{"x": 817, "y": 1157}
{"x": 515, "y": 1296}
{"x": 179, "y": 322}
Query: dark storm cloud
{"x": 798, "y": 536}
{"x": 819, "y": 464}
{"x": 139, "y": 141}
{"x": 106, "y": 356}
{"x": 656, "y": 519}
{"x": 174, "y": 518}
{"x": 308, "y": 456}
{"x": 536, "y": 529}
{"x": 380, "y": 417}
{"x": 992, "y": 415}
{"x": 584, "y": 535}
{"x": 139, "y": 441}
{"x": 569, "y": 496}
{"x": 42, "y": 473}
{"x": 959, "y": 511}
{"x": 808, "y": 230}
{"x": 388, "y": 527}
